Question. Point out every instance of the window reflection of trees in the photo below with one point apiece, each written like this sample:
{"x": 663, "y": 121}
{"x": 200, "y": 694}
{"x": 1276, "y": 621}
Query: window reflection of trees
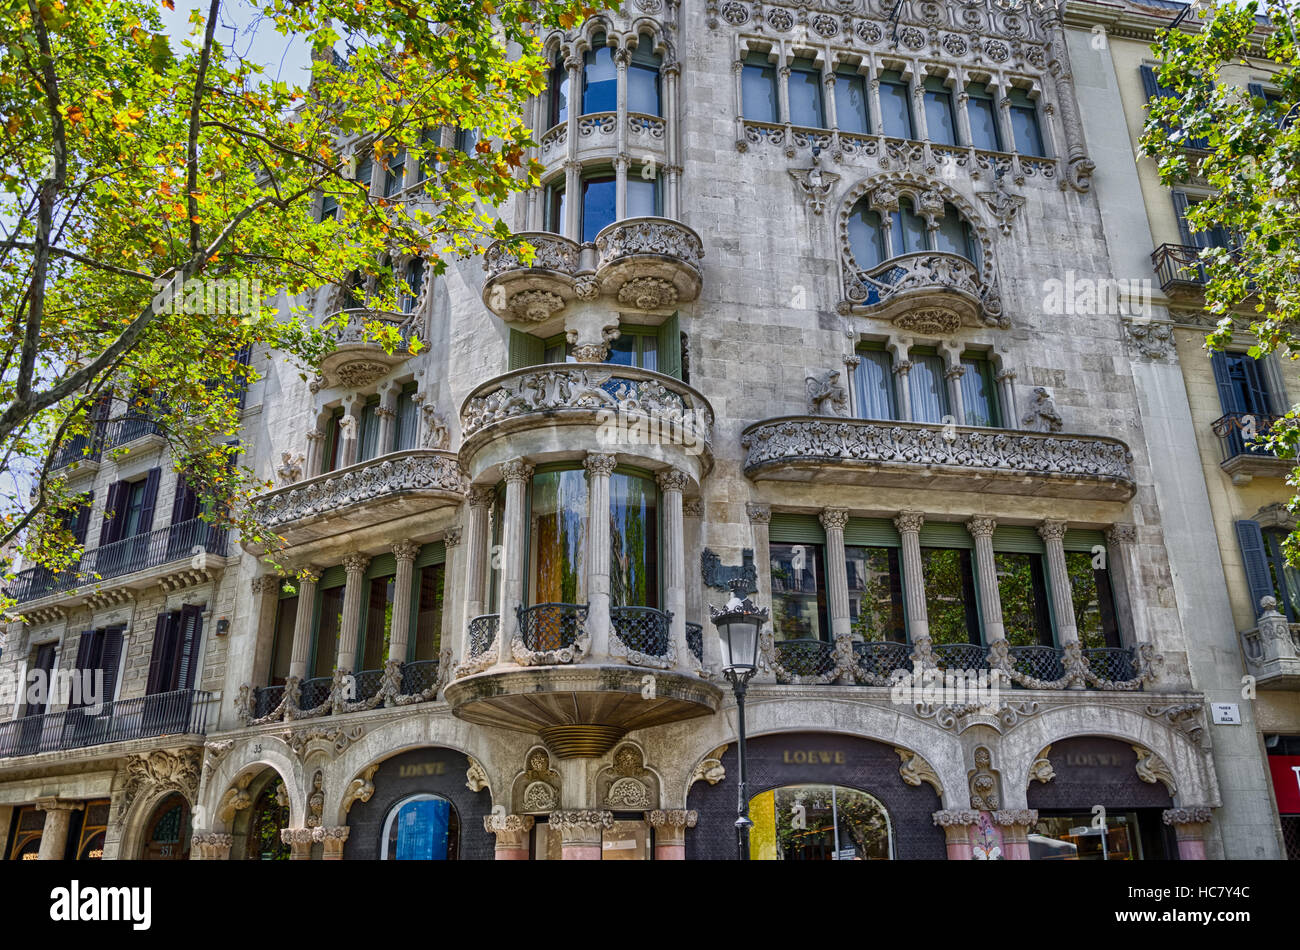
{"x": 1022, "y": 588}
{"x": 950, "y": 595}
{"x": 875, "y": 593}
{"x": 807, "y": 818}
{"x": 633, "y": 539}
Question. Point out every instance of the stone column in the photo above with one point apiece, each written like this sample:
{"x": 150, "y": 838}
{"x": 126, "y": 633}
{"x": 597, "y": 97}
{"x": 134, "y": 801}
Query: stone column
{"x": 851, "y": 364}
{"x": 266, "y": 598}
{"x": 908, "y": 523}
{"x": 670, "y": 832}
{"x": 512, "y": 835}
{"x": 873, "y": 94}
{"x": 572, "y": 190}
{"x": 837, "y": 574}
{"x": 452, "y": 635}
{"x": 299, "y": 842}
{"x": 210, "y": 846}
{"x": 302, "y": 622}
{"x": 355, "y": 565}
{"x": 1125, "y": 573}
{"x": 58, "y": 817}
{"x": 916, "y": 86}
{"x": 737, "y": 71}
{"x": 599, "y": 468}
{"x": 314, "y": 464}
{"x": 963, "y": 118}
{"x": 476, "y": 552}
{"x": 672, "y": 483}
{"x": 514, "y": 540}
{"x": 956, "y": 825}
{"x": 693, "y": 513}
{"x": 1004, "y": 119}
{"x": 1058, "y": 579}
{"x": 1058, "y": 65}
{"x": 669, "y": 74}
{"x": 828, "y": 97}
{"x": 387, "y": 416}
{"x": 902, "y": 366}
{"x": 760, "y": 518}
{"x": 333, "y": 840}
{"x": 783, "y": 100}
{"x": 1006, "y": 381}
{"x": 953, "y": 374}
{"x": 1015, "y": 824}
{"x": 399, "y": 635}
{"x": 1190, "y": 825}
{"x": 986, "y": 575}
{"x": 350, "y": 435}
{"x": 621, "y": 160}
{"x": 581, "y": 831}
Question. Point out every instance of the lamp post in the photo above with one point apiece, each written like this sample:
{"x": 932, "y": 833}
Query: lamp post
{"x": 739, "y": 624}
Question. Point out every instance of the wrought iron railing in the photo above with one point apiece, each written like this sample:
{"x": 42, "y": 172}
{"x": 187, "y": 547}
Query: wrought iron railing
{"x": 806, "y": 657}
{"x": 79, "y": 448}
{"x": 365, "y": 685}
{"x": 418, "y": 676}
{"x": 1242, "y": 433}
{"x": 960, "y": 656}
{"x": 187, "y": 540}
{"x": 1178, "y": 265}
{"x": 266, "y": 699}
{"x": 1116, "y": 664}
{"x": 554, "y": 626}
{"x": 1038, "y": 662}
{"x": 182, "y": 712}
{"x": 315, "y": 692}
{"x": 121, "y": 431}
{"x": 695, "y": 640}
{"x": 644, "y": 630}
{"x": 482, "y": 631}
{"x": 881, "y": 659}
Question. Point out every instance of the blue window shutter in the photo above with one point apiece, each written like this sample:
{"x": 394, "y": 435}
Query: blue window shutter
{"x": 1255, "y": 558}
{"x": 191, "y": 626}
{"x": 149, "y": 500}
{"x": 110, "y": 529}
{"x": 157, "y": 656}
{"x": 1180, "y": 211}
{"x": 1223, "y": 380}
{"x": 1150, "y": 84}
{"x": 109, "y": 659}
{"x": 82, "y": 524}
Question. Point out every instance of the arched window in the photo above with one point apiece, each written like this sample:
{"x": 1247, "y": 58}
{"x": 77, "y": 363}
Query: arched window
{"x": 819, "y": 823}
{"x": 421, "y": 828}
{"x": 866, "y": 239}
{"x": 599, "y": 78}
{"x": 412, "y": 284}
{"x": 955, "y": 235}
{"x": 168, "y": 835}
{"x": 269, "y": 816}
{"x": 874, "y": 240}
{"x": 643, "y": 91}
{"x": 908, "y": 230}
{"x": 557, "y": 105}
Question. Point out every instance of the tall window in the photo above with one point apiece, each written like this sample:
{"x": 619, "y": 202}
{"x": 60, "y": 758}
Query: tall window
{"x": 599, "y": 78}
{"x": 643, "y": 93}
{"x": 466, "y": 140}
{"x": 1217, "y": 236}
{"x": 558, "y": 92}
{"x": 395, "y": 175}
{"x": 366, "y": 167}
{"x": 873, "y": 380}
{"x": 979, "y": 397}
{"x": 758, "y": 89}
{"x": 368, "y": 430}
{"x": 1022, "y": 586}
{"x": 286, "y": 614}
{"x": 875, "y": 593}
{"x": 909, "y": 232}
{"x": 805, "y": 94}
{"x": 955, "y": 236}
{"x": 1242, "y": 384}
{"x": 983, "y": 114}
{"x": 555, "y": 207}
{"x": 329, "y": 207}
{"x": 852, "y": 113}
{"x": 927, "y": 387}
{"x": 1024, "y": 124}
{"x": 643, "y": 193}
{"x": 950, "y": 595}
{"x": 558, "y": 538}
{"x": 327, "y": 631}
{"x": 799, "y": 609}
{"x": 408, "y": 419}
{"x": 939, "y": 122}
{"x": 379, "y": 622}
{"x": 873, "y": 239}
{"x": 895, "y": 106}
{"x": 866, "y": 237}
{"x": 428, "y": 618}
{"x": 1094, "y": 603}
{"x": 599, "y": 208}
{"x": 412, "y": 284}
{"x": 633, "y": 541}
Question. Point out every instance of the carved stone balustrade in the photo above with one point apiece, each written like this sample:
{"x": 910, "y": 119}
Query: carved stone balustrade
{"x": 358, "y": 359}
{"x": 926, "y": 292}
{"x": 1272, "y": 649}
{"x": 925, "y": 455}
{"x": 645, "y": 263}
{"x": 368, "y": 493}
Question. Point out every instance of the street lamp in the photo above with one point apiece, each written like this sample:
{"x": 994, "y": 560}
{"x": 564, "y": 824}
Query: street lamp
{"x": 739, "y": 623}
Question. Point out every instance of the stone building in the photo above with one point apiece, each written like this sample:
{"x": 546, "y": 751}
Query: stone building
{"x": 832, "y": 306}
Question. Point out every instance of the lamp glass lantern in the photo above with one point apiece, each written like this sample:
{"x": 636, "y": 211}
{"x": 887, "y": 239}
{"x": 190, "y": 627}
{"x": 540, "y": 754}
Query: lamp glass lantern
{"x": 739, "y": 624}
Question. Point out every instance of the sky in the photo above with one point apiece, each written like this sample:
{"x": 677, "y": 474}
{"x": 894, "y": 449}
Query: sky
{"x": 241, "y": 29}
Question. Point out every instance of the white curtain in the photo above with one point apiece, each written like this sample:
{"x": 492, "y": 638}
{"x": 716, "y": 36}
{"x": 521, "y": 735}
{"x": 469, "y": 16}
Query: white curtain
{"x": 927, "y": 389}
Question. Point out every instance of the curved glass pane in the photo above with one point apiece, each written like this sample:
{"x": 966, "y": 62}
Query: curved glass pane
{"x": 633, "y": 542}
{"x": 1022, "y": 587}
{"x": 642, "y": 195}
{"x": 950, "y": 595}
{"x": 805, "y": 88}
{"x": 875, "y": 593}
{"x": 643, "y": 88}
{"x": 910, "y": 229}
{"x": 978, "y": 395}
{"x": 599, "y": 80}
{"x": 818, "y": 823}
{"x": 798, "y": 592}
{"x": 954, "y": 234}
{"x": 874, "y": 381}
{"x": 424, "y": 828}
{"x": 928, "y": 389}
{"x": 559, "y": 93}
{"x": 865, "y": 239}
{"x": 851, "y": 112}
{"x": 558, "y": 538}
{"x": 598, "y": 206}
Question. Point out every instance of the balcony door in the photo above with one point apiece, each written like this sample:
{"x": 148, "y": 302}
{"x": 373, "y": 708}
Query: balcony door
{"x": 128, "y": 519}
{"x": 171, "y": 671}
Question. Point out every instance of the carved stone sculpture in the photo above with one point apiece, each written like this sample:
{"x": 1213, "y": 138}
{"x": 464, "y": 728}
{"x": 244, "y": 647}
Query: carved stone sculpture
{"x": 290, "y": 469}
{"x": 826, "y": 396}
{"x": 1041, "y": 416}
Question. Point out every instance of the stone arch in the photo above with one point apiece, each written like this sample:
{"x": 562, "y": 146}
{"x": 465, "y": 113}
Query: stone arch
{"x": 132, "y": 842}
{"x": 1190, "y": 764}
{"x": 600, "y": 23}
{"x": 660, "y": 43}
{"x": 626, "y": 764}
{"x": 238, "y": 762}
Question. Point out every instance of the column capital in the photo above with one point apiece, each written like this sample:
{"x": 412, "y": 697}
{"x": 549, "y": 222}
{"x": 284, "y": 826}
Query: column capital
{"x": 309, "y": 573}
{"x": 481, "y": 497}
{"x": 211, "y": 845}
{"x": 1122, "y": 534}
{"x": 507, "y": 824}
{"x": 955, "y": 372}
{"x": 265, "y": 584}
{"x": 1015, "y": 816}
{"x": 693, "y": 507}
{"x": 355, "y": 563}
{"x": 598, "y": 464}
{"x": 582, "y": 825}
{"x": 452, "y": 537}
{"x": 672, "y": 480}
{"x": 834, "y": 518}
{"x": 670, "y": 825}
{"x": 758, "y": 514}
{"x": 58, "y": 804}
{"x": 333, "y": 840}
{"x": 981, "y": 527}
{"x": 909, "y": 520}
{"x": 406, "y": 550}
{"x": 956, "y": 817}
{"x": 1052, "y": 530}
{"x": 852, "y": 362}
{"x": 902, "y": 367}
{"x": 516, "y": 470}
{"x": 1191, "y": 815}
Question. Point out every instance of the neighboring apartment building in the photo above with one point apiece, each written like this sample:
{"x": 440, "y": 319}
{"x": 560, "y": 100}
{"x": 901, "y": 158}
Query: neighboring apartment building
{"x": 798, "y": 321}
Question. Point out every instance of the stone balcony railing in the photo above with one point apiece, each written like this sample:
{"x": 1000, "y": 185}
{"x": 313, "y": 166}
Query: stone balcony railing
{"x": 370, "y": 492}
{"x": 358, "y": 359}
{"x": 920, "y": 455}
{"x": 646, "y": 263}
{"x": 930, "y": 291}
{"x": 1272, "y": 649}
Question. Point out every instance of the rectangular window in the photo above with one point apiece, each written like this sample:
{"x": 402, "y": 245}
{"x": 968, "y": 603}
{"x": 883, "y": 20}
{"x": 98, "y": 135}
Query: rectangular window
{"x": 950, "y": 595}
{"x": 643, "y": 84}
{"x": 1022, "y": 586}
{"x": 928, "y": 388}
{"x": 979, "y": 395}
{"x": 428, "y": 619}
{"x": 799, "y": 592}
{"x": 635, "y": 348}
{"x": 758, "y": 89}
{"x": 1241, "y": 382}
{"x": 558, "y": 104}
{"x": 333, "y": 436}
{"x": 983, "y": 114}
{"x": 598, "y": 205}
{"x": 366, "y": 167}
{"x": 875, "y": 594}
{"x": 395, "y": 175}
{"x": 327, "y": 631}
{"x": 286, "y": 614}
{"x": 555, "y": 208}
{"x": 368, "y": 434}
{"x": 852, "y": 113}
{"x": 642, "y": 195}
{"x": 379, "y": 622}
{"x": 557, "y": 350}
{"x": 805, "y": 90}
{"x": 873, "y": 382}
{"x": 939, "y": 122}
{"x": 408, "y": 418}
{"x": 599, "y": 80}
{"x": 412, "y": 285}
{"x": 1024, "y": 124}
{"x": 467, "y": 140}
{"x": 1094, "y": 604}
{"x": 329, "y": 207}
{"x": 895, "y": 106}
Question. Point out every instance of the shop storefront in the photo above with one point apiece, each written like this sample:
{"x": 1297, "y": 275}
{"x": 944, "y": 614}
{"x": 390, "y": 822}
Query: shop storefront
{"x": 1096, "y": 806}
{"x": 421, "y": 810}
{"x": 817, "y": 797}
{"x": 1284, "y": 766}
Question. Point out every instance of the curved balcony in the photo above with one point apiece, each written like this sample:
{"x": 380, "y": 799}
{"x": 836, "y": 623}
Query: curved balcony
{"x": 929, "y": 292}
{"x": 648, "y": 263}
{"x": 560, "y": 408}
{"x": 357, "y": 358}
{"x": 643, "y": 635}
{"x": 368, "y": 493}
{"x": 928, "y": 455}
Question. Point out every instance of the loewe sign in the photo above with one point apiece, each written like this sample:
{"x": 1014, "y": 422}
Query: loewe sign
{"x": 812, "y": 757}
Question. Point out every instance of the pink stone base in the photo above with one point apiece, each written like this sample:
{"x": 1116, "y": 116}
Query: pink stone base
{"x": 512, "y": 854}
{"x": 670, "y": 852}
{"x": 1017, "y": 850}
{"x": 959, "y": 851}
{"x": 1191, "y": 849}
{"x": 581, "y": 852}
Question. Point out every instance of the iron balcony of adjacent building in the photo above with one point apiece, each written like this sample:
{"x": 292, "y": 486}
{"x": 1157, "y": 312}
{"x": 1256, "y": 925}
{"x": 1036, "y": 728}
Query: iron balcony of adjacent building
{"x": 181, "y": 712}
{"x": 647, "y": 263}
{"x": 1179, "y": 269}
{"x": 1241, "y": 438}
{"x": 921, "y": 455}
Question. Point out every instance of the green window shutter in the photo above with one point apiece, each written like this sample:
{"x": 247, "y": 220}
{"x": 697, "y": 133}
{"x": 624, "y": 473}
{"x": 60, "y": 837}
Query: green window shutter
{"x": 334, "y": 576}
{"x": 787, "y": 528}
{"x": 945, "y": 534}
{"x": 1017, "y": 539}
{"x": 435, "y": 553}
{"x": 871, "y": 533}
{"x": 1080, "y": 539}
{"x": 382, "y": 566}
{"x": 670, "y": 347}
{"x": 526, "y": 350}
